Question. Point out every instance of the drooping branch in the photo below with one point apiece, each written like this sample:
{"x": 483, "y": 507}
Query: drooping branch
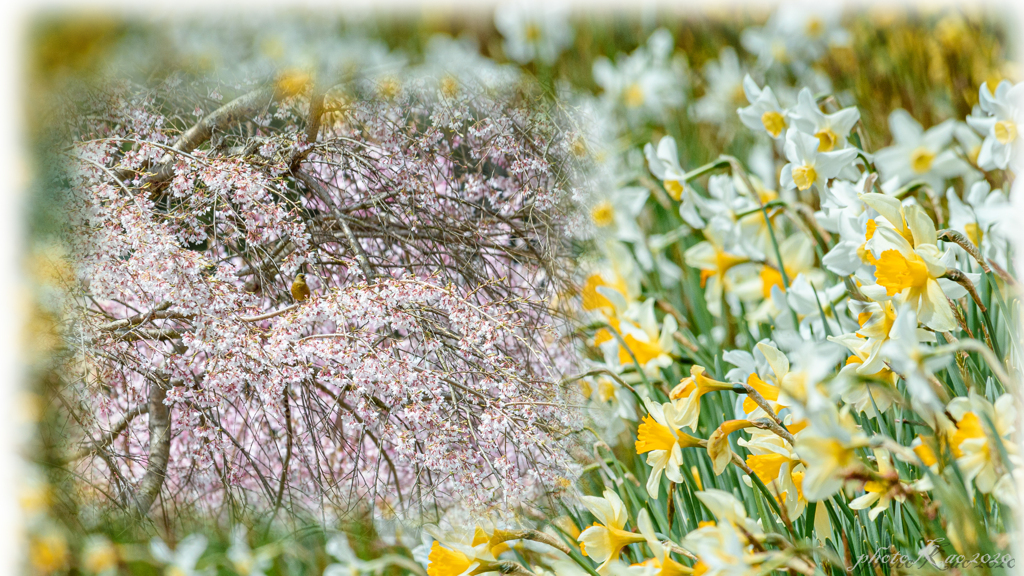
{"x": 244, "y": 106}
{"x": 314, "y": 187}
{"x": 111, "y": 435}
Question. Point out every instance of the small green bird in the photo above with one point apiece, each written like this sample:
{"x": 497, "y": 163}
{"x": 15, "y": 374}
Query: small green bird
{"x": 300, "y": 291}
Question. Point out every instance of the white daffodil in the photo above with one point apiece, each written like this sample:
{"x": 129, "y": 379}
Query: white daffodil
{"x": 842, "y": 200}
{"x": 982, "y": 216}
{"x": 831, "y": 130}
{"x": 764, "y": 111}
{"x": 534, "y": 31}
{"x": 754, "y": 369}
{"x": 724, "y": 90}
{"x": 661, "y": 439}
{"x": 820, "y": 309}
{"x": 662, "y": 564}
{"x": 347, "y": 563}
{"x": 647, "y": 83}
{"x": 729, "y": 201}
{"x": 615, "y": 211}
{"x": 905, "y": 355}
{"x": 775, "y": 462}
{"x": 725, "y": 546}
{"x": 603, "y": 541}
{"x": 828, "y": 450}
{"x": 242, "y": 558}
{"x": 807, "y": 166}
{"x": 918, "y": 154}
{"x": 613, "y": 286}
{"x": 610, "y": 396}
{"x": 796, "y": 35}
{"x": 967, "y": 138}
{"x": 183, "y": 559}
{"x": 715, "y": 257}
{"x": 722, "y": 551}
{"x": 664, "y": 164}
{"x": 877, "y": 325}
{"x": 797, "y": 254}
{"x": 727, "y": 509}
{"x": 798, "y": 383}
{"x": 1000, "y": 127}
{"x": 844, "y": 211}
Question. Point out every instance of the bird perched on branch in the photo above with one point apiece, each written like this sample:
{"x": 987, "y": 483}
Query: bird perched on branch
{"x": 300, "y": 291}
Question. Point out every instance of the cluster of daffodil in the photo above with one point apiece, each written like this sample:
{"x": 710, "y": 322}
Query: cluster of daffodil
{"x": 828, "y": 367}
{"x": 858, "y": 330}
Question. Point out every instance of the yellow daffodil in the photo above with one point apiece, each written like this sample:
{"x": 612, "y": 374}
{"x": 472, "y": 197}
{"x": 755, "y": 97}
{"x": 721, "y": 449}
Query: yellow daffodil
{"x": 660, "y": 438}
{"x": 880, "y": 493}
{"x": 977, "y": 454}
{"x": 718, "y": 443}
{"x": 828, "y": 450}
{"x": 910, "y": 269}
{"x": 607, "y": 537}
{"x": 662, "y": 564}
{"x": 461, "y": 552}
{"x": 686, "y": 395}
{"x": 450, "y": 562}
{"x": 642, "y": 338}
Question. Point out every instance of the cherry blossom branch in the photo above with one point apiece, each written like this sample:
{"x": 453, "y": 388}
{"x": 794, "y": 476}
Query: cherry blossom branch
{"x": 270, "y": 314}
{"x": 357, "y": 248}
{"x": 242, "y": 107}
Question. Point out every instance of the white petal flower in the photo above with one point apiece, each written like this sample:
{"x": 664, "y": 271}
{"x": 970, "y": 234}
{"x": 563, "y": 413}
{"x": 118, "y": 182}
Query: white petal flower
{"x": 1000, "y": 126}
{"x": 534, "y": 31}
{"x": 807, "y": 166}
{"x": 918, "y": 154}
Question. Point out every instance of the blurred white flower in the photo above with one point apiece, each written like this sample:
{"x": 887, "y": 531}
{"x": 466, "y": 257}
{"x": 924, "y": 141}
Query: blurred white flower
{"x": 183, "y": 559}
{"x": 724, "y": 91}
{"x": 348, "y": 564}
{"x": 452, "y": 64}
{"x": 242, "y": 558}
{"x": 1000, "y": 127}
{"x": 828, "y": 448}
{"x": 918, "y": 154}
{"x": 99, "y": 556}
{"x": 647, "y": 83}
{"x": 981, "y": 428}
{"x": 534, "y": 31}
{"x": 796, "y": 34}
{"x": 614, "y": 212}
